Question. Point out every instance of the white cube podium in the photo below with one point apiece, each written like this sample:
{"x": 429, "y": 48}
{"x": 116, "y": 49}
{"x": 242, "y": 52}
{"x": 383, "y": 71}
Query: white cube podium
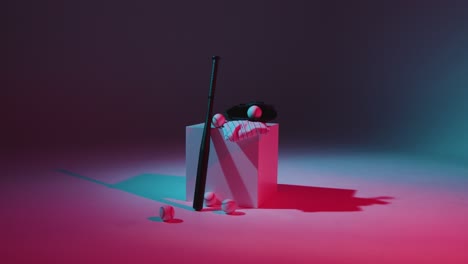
{"x": 245, "y": 171}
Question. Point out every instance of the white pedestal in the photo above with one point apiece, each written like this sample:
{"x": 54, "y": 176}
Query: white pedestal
{"x": 245, "y": 171}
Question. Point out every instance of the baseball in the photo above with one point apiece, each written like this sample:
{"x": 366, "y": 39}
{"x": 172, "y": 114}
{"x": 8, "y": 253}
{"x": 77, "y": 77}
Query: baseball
{"x": 210, "y": 199}
{"x": 166, "y": 213}
{"x": 229, "y": 206}
{"x": 254, "y": 112}
{"x": 218, "y": 120}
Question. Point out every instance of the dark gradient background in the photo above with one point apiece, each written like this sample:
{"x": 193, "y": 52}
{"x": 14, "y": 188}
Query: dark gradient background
{"x": 389, "y": 75}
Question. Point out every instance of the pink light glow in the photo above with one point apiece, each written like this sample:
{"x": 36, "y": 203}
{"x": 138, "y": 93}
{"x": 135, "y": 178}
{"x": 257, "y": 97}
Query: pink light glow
{"x": 54, "y": 218}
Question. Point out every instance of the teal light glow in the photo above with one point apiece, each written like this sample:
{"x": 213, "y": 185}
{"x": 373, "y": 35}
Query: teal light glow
{"x": 443, "y": 121}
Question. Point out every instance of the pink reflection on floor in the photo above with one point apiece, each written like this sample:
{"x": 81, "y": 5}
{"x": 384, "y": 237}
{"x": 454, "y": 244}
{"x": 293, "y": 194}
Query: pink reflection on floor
{"x": 331, "y": 208}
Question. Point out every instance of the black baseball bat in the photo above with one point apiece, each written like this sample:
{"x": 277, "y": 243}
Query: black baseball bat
{"x": 205, "y": 143}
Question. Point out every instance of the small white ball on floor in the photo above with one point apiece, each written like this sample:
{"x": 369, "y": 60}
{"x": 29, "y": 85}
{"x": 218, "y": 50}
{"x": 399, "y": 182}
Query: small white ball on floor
{"x": 210, "y": 199}
{"x": 254, "y": 112}
{"x": 218, "y": 120}
{"x": 166, "y": 213}
{"x": 229, "y": 206}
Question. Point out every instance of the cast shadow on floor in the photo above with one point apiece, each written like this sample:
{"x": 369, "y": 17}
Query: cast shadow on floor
{"x": 319, "y": 199}
{"x": 164, "y": 188}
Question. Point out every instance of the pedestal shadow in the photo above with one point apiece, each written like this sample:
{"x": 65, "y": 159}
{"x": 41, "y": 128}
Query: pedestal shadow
{"x": 163, "y": 188}
{"x": 319, "y": 199}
